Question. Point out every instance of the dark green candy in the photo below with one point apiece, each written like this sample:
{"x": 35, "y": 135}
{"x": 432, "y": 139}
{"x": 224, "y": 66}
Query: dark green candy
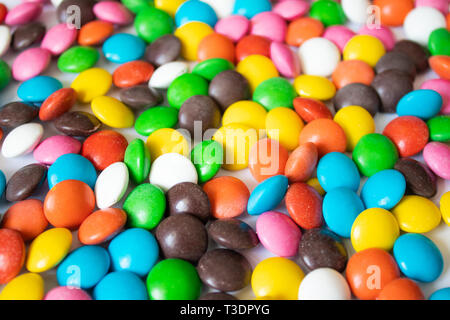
{"x": 156, "y": 118}
{"x": 137, "y": 159}
{"x": 207, "y": 157}
{"x": 5, "y": 74}
{"x": 77, "y": 59}
{"x": 208, "y": 69}
{"x": 439, "y": 128}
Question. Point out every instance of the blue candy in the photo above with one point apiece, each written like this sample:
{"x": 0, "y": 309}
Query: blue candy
{"x": 336, "y": 170}
{"x": 123, "y": 47}
{"x": 84, "y": 267}
{"x": 418, "y": 257}
{"x": 424, "y": 104}
{"x": 2, "y": 183}
{"x": 134, "y": 250}
{"x": 250, "y": 8}
{"x": 72, "y": 166}
{"x": 37, "y": 89}
{"x": 121, "y": 285}
{"x": 194, "y": 10}
{"x": 441, "y": 294}
{"x": 267, "y": 195}
{"x": 340, "y": 208}
{"x": 384, "y": 189}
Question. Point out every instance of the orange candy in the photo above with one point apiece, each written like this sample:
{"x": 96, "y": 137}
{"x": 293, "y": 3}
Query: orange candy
{"x": 228, "y": 196}
{"x": 448, "y": 21}
{"x": 303, "y": 29}
{"x": 369, "y": 271}
{"x": 267, "y": 159}
{"x": 304, "y": 205}
{"x": 132, "y": 73}
{"x": 27, "y": 217}
{"x": 301, "y": 163}
{"x": 311, "y": 109}
{"x": 216, "y": 45}
{"x": 441, "y": 65}
{"x": 401, "y": 289}
{"x": 252, "y": 44}
{"x": 352, "y": 71}
{"x": 58, "y": 103}
{"x": 68, "y": 203}
{"x": 95, "y": 32}
{"x": 1, "y": 133}
{"x": 394, "y": 12}
{"x": 101, "y": 225}
{"x": 326, "y": 134}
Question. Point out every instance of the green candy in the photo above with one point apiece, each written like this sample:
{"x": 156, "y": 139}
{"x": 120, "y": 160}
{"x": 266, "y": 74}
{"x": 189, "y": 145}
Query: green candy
{"x": 373, "y": 153}
{"x": 77, "y": 59}
{"x": 210, "y": 68}
{"x": 152, "y": 23}
{"x": 173, "y": 279}
{"x": 137, "y": 159}
{"x": 439, "y": 42}
{"x": 5, "y": 74}
{"x": 145, "y": 206}
{"x": 156, "y": 118}
{"x": 329, "y": 12}
{"x": 207, "y": 157}
{"x": 184, "y": 87}
{"x": 275, "y": 92}
{"x": 137, "y": 5}
{"x": 439, "y": 128}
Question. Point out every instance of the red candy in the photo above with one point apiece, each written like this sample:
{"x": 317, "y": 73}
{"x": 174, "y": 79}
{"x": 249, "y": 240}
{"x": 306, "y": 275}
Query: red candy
{"x": 12, "y": 254}
{"x": 3, "y": 12}
{"x": 304, "y": 205}
{"x": 57, "y": 104}
{"x": 101, "y": 226}
{"x": 301, "y": 163}
{"x": 311, "y": 109}
{"x": 132, "y": 73}
{"x": 326, "y": 134}
{"x": 267, "y": 158}
{"x": 252, "y": 44}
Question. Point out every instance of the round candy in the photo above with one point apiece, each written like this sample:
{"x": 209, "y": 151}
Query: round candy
{"x": 25, "y": 181}
{"x": 210, "y": 68}
{"x": 140, "y": 97}
{"x": 222, "y": 8}
{"x": 229, "y": 87}
{"x": 352, "y": 71}
{"x": 383, "y": 33}
{"x": 439, "y": 41}
{"x": 322, "y": 64}
{"x": 326, "y": 134}
{"x": 328, "y": 11}
{"x": 71, "y": 166}
{"x": 358, "y": 94}
{"x": 249, "y": 8}
{"x": 207, "y": 157}
{"x": 304, "y": 205}
{"x": 274, "y": 92}
{"x": 364, "y": 47}
{"x": 101, "y": 226}
{"x": 391, "y": 86}
{"x": 59, "y": 38}
{"x": 270, "y": 25}
{"x": 302, "y": 29}
{"x": 163, "y": 50}
{"x": 64, "y": 12}
{"x": 166, "y": 140}
{"x": 421, "y": 22}
{"x": 5, "y": 74}
{"x": 291, "y": 9}
{"x": 324, "y": 284}
{"x": 30, "y": 63}
{"x": 267, "y": 158}
{"x": 95, "y": 33}
{"x": 234, "y": 27}
{"x": 57, "y": 104}
{"x": 120, "y": 285}
{"x": 339, "y": 35}
{"x": 190, "y": 35}
{"x": 417, "y": 214}
{"x": 233, "y": 234}
{"x": 412, "y": 104}
{"x": 12, "y": 253}
{"x": 356, "y": 11}
{"x": 337, "y": 170}
{"x": 441, "y": 294}
{"x": 38, "y": 89}
{"x": 188, "y": 198}
{"x": 123, "y": 47}
{"x": 267, "y": 195}
{"x": 184, "y": 87}
{"x": 169, "y": 6}
{"x": 111, "y": 185}
{"x": 67, "y": 293}
{"x": 15, "y": 114}
{"x": 137, "y": 160}
{"x": 91, "y": 83}
{"x": 420, "y": 180}
{"x": 284, "y": 60}
{"x": 195, "y": 10}
{"x": 5, "y": 39}
{"x": 356, "y": 123}
{"x": 163, "y": 77}
{"x": 215, "y": 45}
{"x": 53, "y": 147}
{"x": 28, "y": 286}
{"x": 256, "y": 69}
{"x": 441, "y": 86}
{"x": 22, "y": 140}
{"x": 436, "y": 155}
{"x": 401, "y": 289}
{"x": 301, "y": 163}
{"x": 393, "y": 13}
{"x": 415, "y": 51}
{"x": 441, "y": 65}
{"x": 23, "y": 13}
{"x": 199, "y": 113}
{"x": 113, "y": 12}
{"x": 132, "y": 73}
{"x": 112, "y": 112}
{"x": 311, "y": 109}
{"x": 284, "y": 125}
{"x": 248, "y": 113}
{"x": 315, "y": 87}
{"x": 445, "y": 207}
{"x": 156, "y": 118}
{"x": 3, "y": 12}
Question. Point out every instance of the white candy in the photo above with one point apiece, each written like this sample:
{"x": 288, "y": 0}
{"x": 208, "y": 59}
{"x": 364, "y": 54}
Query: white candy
{"x": 5, "y": 39}
{"x": 111, "y": 185}
{"x": 421, "y": 22}
{"x": 165, "y": 74}
{"x": 22, "y": 140}
{"x": 170, "y": 169}
{"x": 319, "y": 57}
{"x": 56, "y": 3}
{"x": 223, "y": 8}
{"x": 356, "y": 10}
{"x": 324, "y": 284}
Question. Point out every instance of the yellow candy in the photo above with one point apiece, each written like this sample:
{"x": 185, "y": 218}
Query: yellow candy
{"x": 256, "y": 68}
{"x": 315, "y": 87}
{"x": 167, "y": 140}
{"x": 112, "y": 112}
{"x": 417, "y": 214}
{"x": 91, "y": 83}
{"x": 236, "y": 140}
{"x": 190, "y": 35}
{"x": 169, "y": 6}
{"x": 277, "y": 278}
{"x": 28, "y": 286}
{"x": 284, "y": 125}
{"x": 48, "y": 249}
{"x": 364, "y": 47}
{"x": 445, "y": 207}
{"x": 356, "y": 123}
{"x": 250, "y": 113}
{"x": 314, "y": 182}
{"x": 374, "y": 228}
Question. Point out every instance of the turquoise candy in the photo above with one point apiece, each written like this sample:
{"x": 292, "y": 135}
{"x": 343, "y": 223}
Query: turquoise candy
{"x": 384, "y": 189}
{"x": 267, "y": 195}
{"x": 210, "y": 68}
{"x": 184, "y": 87}
{"x": 123, "y": 47}
{"x": 250, "y": 8}
{"x": 72, "y": 166}
{"x": 137, "y": 160}
{"x": 195, "y": 10}
{"x": 441, "y": 294}
{"x": 121, "y": 285}
{"x": 207, "y": 157}
{"x": 336, "y": 170}
{"x": 423, "y": 103}
{"x": 156, "y": 118}
{"x": 439, "y": 42}
{"x": 5, "y": 74}
{"x": 275, "y": 92}
{"x": 37, "y": 89}
{"x": 2, "y": 183}
{"x": 77, "y": 59}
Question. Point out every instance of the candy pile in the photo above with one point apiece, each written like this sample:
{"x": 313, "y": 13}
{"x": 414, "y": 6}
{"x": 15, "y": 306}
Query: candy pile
{"x": 160, "y": 219}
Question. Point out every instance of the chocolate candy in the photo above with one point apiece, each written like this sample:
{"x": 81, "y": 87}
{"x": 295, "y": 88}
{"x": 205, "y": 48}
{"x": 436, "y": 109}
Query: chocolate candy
{"x": 27, "y": 35}
{"x": 85, "y": 7}
{"x": 77, "y": 123}
{"x": 396, "y": 61}
{"x": 357, "y": 94}
{"x": 233, "y": 234}
{"x": 217, "y": 296}
{"x": 321, "y": 248}
{"x": 224, "y": 269}
{"x": 182, "y": 236}
{"x": 229, "y": 87}
{"x": 416, "y": 53}
{"x": 419, "y": 179}
{"x": 140, "y": 97}
{"x": 189, "y": 198}
{"x": 201, "y": 109}
{"x": 25, "y": 181}
{"x": 16, "y": 113}
{"x": 391, "y": 86}
{"x": 163, "y": 50}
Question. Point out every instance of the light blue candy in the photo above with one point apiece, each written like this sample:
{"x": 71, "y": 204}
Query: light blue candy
{"x": 340, "y": 208}
{"x": 441, "y": 294}
{"x": 2, "y": 183}
{"x": 121, "y": 285}
{"x": 134, "y": 250}
{"x": 418, "y": 257}
{"x": 123, "y": 47}
{"x": 194, "y": 10}
{"x": 424, "y": 104}
{"x": 336, "y": 170}
{"x": 72, "y": 166}
{"x": 37, "y": 89}
{"x": 267, "y": 195}
{"x": 84, "y": 267}
{"x": 250, "y": 8}
{"x": 384, "y": 189}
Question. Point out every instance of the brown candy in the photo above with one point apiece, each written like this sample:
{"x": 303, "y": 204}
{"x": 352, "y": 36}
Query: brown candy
{"x": 188, "y": 198}
{"x": 419, "y": 178}
{"x": 85, "y": 7}
{"x": 27, "y": 35}
{"x": 391, "y": 86}
{"x": 25, "y": 181}
{"x": 140, "y": 97}
{"x": 163, "y": 50}
{"x": 229, "y": 87}
{"x": 200, "y": 109}
{"x": 415, "y": 52}
{"x": 357, "y": 94}
{"x": 233, "y": 234}
{"x": 396, "y": 61}
{"x": 16, "y": 113}
{"x": 77, "y": 123}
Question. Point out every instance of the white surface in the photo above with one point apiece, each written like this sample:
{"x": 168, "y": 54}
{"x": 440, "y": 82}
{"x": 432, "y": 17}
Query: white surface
{"x": 441, "y": 235}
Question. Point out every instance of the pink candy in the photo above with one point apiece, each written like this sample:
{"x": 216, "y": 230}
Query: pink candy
{"x": 441, "y": 5}
{"x": 437, "y": 157}
{"x": 441, "y": 86}
{"x": 284, "y": 60}
{"x": 30, "y": 63}
{"x": 234, "y": 27}
{"x": 67, "y": 293}
{"x": 269, "y": 25}
{"x": 339, "y": 35}
{"x": 291, "y": 9}
{"x": 384, "y": 34}
{"x": 59, "y": 38}
{"x": 53, "y": 147}
{"x": 23, "y": 13}
{"x": 113, "y": 12}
